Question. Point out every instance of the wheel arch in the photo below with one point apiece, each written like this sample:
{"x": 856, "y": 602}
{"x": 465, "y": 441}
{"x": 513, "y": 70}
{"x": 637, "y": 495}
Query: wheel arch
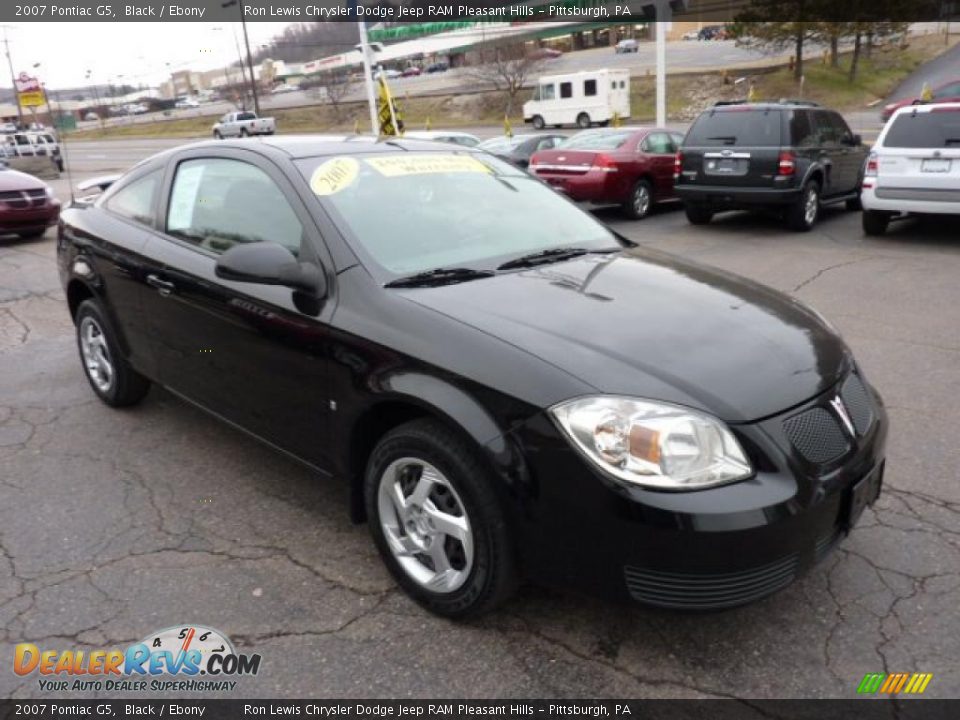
{"x": 77, "y": 292}
{"x": 436, "y": 400}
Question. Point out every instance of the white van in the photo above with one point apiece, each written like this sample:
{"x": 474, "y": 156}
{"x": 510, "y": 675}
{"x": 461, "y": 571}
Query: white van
{"x": 581, "y": 98}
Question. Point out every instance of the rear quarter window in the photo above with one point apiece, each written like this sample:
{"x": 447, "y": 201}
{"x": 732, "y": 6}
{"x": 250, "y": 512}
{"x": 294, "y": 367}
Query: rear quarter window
{"x": 939, "y": 128}
{"x": 738, "y": 127}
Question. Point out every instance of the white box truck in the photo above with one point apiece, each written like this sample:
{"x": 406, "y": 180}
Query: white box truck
{"x": 583, "y": 98}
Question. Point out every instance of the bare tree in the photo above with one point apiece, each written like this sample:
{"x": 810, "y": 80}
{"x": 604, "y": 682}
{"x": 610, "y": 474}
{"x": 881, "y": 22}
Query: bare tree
{"x": 333, "y": 87}
{"x": 237, "y": 94}
{"x": 505, "y": 67}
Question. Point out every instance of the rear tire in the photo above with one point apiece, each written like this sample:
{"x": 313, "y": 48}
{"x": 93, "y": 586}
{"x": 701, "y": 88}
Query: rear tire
{"x": 583, "y": 121}
{"x": 112, "y": 378}
{"x": 875, "y": 222}
{"x": 697, "y": 214}
{"x": 803, "y": 214}
{"x": 217, "y": 135}
{"x": 638, "y": 205}
{"x": 455, "y": 489}
{"x": 244, "y": 133}
{"x": 538, "y": 123}
{"x": 30, "y": 234}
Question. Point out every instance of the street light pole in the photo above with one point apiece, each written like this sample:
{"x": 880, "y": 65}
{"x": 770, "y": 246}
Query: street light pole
{"x": 662, "y": 18}
{"x": 13, "y": 77}
{"x": 246, "y": 41}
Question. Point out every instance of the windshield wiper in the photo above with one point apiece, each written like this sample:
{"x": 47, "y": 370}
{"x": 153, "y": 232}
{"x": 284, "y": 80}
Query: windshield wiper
{"x": 548, "y": 256}
{"x": 439, "y": 276}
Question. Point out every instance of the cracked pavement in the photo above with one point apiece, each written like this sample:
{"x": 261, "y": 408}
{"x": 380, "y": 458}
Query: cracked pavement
{"x": 114, "y": 524}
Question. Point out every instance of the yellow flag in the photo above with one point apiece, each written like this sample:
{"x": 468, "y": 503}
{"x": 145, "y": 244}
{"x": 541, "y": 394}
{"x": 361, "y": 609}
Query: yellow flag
{"x": 752, "y": 94}
{"x": 507, "y": 129}
{"x": 388, "y": 109}
{"x": 356, "y": 127}
{"x": 927, "y": 93}
{"x": 427, "y": 126}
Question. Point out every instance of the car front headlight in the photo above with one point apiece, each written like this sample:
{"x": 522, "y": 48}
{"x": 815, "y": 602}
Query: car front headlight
{"x": 653, "y": 444}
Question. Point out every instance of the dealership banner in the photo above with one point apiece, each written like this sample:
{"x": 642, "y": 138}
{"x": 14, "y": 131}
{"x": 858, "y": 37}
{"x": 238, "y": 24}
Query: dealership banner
{"x": 431, "y": 11}
{"x": 516, "y": 709}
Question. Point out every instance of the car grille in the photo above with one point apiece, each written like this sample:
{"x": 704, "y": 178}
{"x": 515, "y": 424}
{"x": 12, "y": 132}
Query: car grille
{"x": 23, "y": 199}
{"x": 692, "y": 591}
{"x": 817, "y": 434}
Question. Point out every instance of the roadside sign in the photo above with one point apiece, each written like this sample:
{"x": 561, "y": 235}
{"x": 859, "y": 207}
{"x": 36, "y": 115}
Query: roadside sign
{"x": 31, "y": 98}
{"x": 29, "y": 90}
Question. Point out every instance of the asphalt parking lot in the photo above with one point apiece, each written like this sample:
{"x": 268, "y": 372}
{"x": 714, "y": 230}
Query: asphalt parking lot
{"x": 114, "y": 524}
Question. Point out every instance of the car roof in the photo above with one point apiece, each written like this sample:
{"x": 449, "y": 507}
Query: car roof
{"x": 304, "y": 146}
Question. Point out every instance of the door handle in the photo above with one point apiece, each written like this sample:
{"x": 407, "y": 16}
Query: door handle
{"x": 164, "y": 286}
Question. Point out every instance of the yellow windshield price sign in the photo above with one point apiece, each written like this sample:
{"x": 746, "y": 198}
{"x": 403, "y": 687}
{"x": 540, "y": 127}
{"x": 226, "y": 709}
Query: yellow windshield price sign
{"x": 334, "y": 175}
{"x": 433, "y": 163}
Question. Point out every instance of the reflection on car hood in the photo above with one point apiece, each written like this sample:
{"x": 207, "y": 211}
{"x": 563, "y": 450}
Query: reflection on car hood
{"x": 649, "y": 325}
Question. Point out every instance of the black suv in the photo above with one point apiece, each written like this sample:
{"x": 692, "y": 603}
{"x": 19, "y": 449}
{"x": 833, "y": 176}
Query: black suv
{"x": 790, "y": 155}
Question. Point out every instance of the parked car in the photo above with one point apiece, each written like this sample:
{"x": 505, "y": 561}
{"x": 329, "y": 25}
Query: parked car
{"x": 914, "y": 167}
{"x": 18, "y": 144}
{"x": 945, "y": 92}
{"x": 27, "y": 205}
{"x": 90, "y": 116}
{"x": 791, "y": 156}
{"x": 7, "y": 128}
{"x": 187, "y": 103}
{"x": 544, "y": 53}
{"x": 630, "y": 167}
{"x": 712, "y": 32}
{"x": 583, "y": 99}
{"x": 448, "y": 136}
{"x": 412, "y": 71}
{"x": 626, "y": 46}
{"x": 519, "y": 148}
{"x": 505, "y": 385}
{"x": 437, "y": 67}
{"x": 691, "y": 35}
{"x": 388, "y": 73}
{"x": 283, "y": 88}
{"x": 242, "y": 124}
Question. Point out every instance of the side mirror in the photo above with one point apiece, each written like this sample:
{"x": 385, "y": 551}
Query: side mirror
{"x": 267, "y": 263}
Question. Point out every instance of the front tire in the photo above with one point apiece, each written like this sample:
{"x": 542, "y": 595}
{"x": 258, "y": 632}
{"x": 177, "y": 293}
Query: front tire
{"x": 583, "y": 121}
{"x": 803, "y": 214}
{"x": 437, "y": 522}
{"x": 538, "y": 122}
{"x": 875, "y": 222}
{"x": 31, "y": 234}
{"x": 637, "y": 206}
{"x": 217, "y": 135}
{"x": 244, "y": 133}
{"x": 110, "y": 375}
{"x": 697, "y": 214}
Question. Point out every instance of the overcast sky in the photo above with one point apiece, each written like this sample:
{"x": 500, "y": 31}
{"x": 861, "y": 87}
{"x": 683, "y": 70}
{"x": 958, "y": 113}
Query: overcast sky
{"x": 139, "y": 51}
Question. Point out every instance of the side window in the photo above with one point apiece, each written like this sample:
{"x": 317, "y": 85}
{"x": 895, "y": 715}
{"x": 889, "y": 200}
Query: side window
{"x": 589, "y": 88}
{"x": 623, "y": 84}
{"x": 658, "y": 144}
{"x": 826, "y": 130}
{"x": 137, "y": 200}
{"x": 948, "y": 92}
{"x": 840, "y": 126}
{"x": 216, "y": 203}
{"x": 566, "y": 90}
{"x": 677, "y": 139}
{"x": 801, "y": 131}
{"x": 536, "y": 93}
{"x": 548, "y": 92}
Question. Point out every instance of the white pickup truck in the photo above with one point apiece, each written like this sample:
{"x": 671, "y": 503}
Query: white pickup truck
{"x": 242, "y": 124}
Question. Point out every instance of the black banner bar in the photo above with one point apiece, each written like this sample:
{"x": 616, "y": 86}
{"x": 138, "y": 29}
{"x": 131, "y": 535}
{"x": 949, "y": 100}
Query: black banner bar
{"x": 874, "y": 708}
{"x": 507, "y": 11}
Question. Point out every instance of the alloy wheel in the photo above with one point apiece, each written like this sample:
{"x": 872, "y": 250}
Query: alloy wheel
{"x": 641, "y": 200}
{"x": 811, "y": 204}
{"x": 425, "y": 525}
{"x": 96, "y": 354}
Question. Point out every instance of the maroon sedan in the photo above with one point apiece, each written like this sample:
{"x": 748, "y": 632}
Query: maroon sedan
{"x": 947, "y": 92}
{"x": 630, "y": 167}
{"x": 27, "y": 205}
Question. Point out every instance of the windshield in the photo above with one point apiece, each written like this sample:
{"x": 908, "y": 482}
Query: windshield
{"x": 745, "y": 127}
{"x": 939, "y": 128}
{"x": 412, "y": 212}
{"x": 593, "y": 140}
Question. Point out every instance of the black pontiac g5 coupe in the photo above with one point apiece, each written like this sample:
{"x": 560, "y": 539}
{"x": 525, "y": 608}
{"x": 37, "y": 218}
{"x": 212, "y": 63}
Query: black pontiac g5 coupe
{"x": 511, "y": 390}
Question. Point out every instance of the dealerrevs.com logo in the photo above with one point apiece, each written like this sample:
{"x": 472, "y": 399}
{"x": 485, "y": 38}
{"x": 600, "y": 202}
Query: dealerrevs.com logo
{"x": 187, "y": 658}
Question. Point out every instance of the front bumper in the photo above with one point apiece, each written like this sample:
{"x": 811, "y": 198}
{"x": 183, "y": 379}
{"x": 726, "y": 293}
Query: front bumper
{"x": 35, "y": 218}
{"x": 709, "y": 549}
{"x": 724, "y": 197}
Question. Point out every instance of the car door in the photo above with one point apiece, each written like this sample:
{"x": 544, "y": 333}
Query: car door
{"x": 835, "y": 155}
{"x": 253, "y": 354}
{"x": 852, "y": 155}
{"x": 660, "y": 153}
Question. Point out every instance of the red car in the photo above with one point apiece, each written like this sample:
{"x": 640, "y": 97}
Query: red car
{"x": 947, "y": 92}
{"x": 27, "y": 205}
{"x": 630, "y": 167}
{"x": 411, "y": 71}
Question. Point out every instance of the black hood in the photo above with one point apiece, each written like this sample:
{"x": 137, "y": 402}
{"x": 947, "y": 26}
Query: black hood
{"x": 645, "y": 324}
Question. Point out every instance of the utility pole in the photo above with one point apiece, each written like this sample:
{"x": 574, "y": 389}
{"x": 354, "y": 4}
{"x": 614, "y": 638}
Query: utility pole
{"x": 246, "y": 41}
{"x": 367, "y": 69}
{"x": 662, "y": 18}
{"x": 13, "y": 77}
